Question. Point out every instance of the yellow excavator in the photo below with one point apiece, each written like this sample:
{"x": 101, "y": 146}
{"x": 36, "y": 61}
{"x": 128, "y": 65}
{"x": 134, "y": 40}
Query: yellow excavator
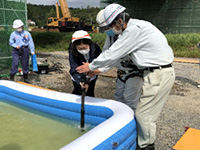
{"x": 66, "y": 23}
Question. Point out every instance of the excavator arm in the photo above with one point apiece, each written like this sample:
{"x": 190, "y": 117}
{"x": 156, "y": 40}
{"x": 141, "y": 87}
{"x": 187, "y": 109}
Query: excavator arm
{"x": 64, "y": 9}
{"x": 57, "y": 10}
{"x": 66, "y": 23}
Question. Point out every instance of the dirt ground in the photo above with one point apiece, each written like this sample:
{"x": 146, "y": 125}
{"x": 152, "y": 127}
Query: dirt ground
{"x": 180, "y": 111}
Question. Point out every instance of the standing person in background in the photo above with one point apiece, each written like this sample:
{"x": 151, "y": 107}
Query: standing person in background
{"x": 82, "y": 49}
{"x": 21, "y": 41}
{"x": 149, "y": 50}
{"x": 130, "y": 78}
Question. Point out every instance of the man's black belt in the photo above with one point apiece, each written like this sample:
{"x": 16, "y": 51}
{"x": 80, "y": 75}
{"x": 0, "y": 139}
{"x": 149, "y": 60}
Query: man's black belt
{"x": 160, "y": 67}
{"x": 21, "y": 47}
{"x": 24, "y": 47}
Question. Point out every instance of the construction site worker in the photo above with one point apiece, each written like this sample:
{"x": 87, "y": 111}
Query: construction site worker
{"x": 82, "y": 49}
{"x": 149, "y": 50}
{"x": 129, "y": 77}
{"x": 21, "y": 41}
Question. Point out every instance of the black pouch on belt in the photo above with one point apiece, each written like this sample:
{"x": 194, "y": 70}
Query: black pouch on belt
{"x": 130, "y": 74}
{"x": 21, "y": 51}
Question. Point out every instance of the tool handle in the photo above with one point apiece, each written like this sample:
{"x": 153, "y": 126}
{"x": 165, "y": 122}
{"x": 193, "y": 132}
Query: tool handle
{"x": 83, "y": 109}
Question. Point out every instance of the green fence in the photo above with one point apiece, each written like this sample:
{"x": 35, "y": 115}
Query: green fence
{"x": 9, "y": 11}
{"x": 170, "y": 16}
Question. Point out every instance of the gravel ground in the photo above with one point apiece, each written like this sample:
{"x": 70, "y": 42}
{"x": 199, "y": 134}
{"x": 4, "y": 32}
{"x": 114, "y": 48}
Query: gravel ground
{"x": 181, "y": 109}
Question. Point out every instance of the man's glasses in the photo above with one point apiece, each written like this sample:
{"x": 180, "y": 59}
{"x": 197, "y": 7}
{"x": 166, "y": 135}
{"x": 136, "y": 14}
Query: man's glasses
{"x": 108, "y": 26}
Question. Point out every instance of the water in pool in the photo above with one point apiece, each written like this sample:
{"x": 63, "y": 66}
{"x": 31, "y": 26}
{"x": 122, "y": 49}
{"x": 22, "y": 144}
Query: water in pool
{"x": 26, "y": 129}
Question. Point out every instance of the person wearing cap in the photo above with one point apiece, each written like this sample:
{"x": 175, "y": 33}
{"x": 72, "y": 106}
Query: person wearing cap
{"x": 82, "y": 49}
{"x": 149, "y": 51}
{"x": 21, "y": 41}
{"x": 129, "y": 77}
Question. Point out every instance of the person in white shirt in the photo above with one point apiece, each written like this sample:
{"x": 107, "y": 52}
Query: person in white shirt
{"x": 149, "y": 50}
{"x": 129, "y": 77}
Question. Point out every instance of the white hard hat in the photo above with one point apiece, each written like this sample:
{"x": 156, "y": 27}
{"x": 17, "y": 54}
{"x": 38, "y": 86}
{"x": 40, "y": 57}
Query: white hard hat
{"x": 100, "y": 18}
{"x": 81, "y": 34}
{"x": 112, "y": 11}
{"x": 17, "y": 23}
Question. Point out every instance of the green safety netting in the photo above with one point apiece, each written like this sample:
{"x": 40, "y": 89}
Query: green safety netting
{"x": 9, "y": 11}
{"x": 170, "y": 16}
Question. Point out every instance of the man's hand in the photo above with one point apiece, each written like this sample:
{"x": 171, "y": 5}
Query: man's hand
{"x": 84, "y": 86}
{"x": 32, "y": 53}
{"x": 93, "y": 73}
{"x": 83, "y": 68}
{"x": 17, "y": 47}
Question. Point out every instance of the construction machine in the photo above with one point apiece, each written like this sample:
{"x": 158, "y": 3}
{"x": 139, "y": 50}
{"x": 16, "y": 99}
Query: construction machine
{"x": 66, "y": 22}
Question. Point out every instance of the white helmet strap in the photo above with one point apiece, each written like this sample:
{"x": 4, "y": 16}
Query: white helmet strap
{"x": 123, "y": 21}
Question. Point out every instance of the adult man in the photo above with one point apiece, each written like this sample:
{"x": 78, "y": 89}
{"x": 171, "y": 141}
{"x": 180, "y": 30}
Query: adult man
{"x": 21, "y": 41}
{"x": 149, "y": 50}
{"x": 129, "y": 81}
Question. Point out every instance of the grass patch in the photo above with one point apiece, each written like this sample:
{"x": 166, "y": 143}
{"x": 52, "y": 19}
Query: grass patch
{"x": 51, "y": 41}
{"x": 59, "y": 41}
{"x": 183, "y": 45}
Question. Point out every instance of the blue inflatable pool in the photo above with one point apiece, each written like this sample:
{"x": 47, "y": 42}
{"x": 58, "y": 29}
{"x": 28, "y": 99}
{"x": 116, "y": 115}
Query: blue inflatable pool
{"x": 115, "y": 125}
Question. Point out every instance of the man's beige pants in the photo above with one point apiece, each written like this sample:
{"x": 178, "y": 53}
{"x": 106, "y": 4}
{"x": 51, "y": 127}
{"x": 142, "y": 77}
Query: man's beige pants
{"x": 156, "y": 88}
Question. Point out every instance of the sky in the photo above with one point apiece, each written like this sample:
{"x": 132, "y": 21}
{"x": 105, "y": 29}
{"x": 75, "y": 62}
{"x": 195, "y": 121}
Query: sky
{"x": 71, "y": 3}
